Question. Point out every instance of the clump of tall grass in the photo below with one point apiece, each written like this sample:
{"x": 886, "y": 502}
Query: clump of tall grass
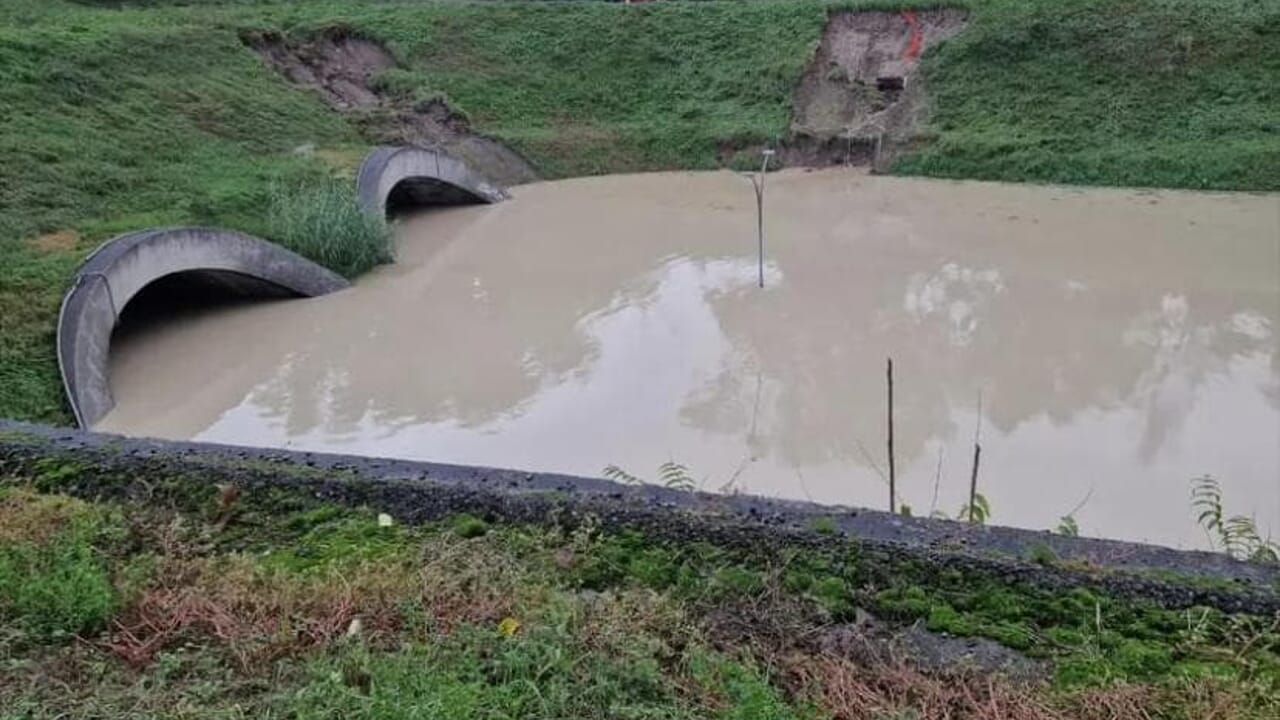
{"x": 322, "y": 221}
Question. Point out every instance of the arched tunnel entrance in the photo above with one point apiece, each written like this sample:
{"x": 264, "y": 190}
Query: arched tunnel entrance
{"x": 194, "y": 289}
{"x": 184, "y": 296}
{"x": 392, "y": 179}
{"x": 165, "y": 271}
{"x": 414, "y": 193}
{"x": 142, "y": 279}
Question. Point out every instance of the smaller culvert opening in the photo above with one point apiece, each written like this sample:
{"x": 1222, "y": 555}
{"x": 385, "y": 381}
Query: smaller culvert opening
{"x": 414, "y": 194}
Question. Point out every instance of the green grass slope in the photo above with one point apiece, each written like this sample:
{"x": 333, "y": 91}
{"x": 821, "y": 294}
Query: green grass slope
{"x": 117, "y": 119}
{"x": 1168, "y": 93}
{"x": 112, "y": 122}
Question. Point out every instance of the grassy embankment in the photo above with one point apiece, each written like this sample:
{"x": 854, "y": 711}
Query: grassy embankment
{"x": 119, "y": 120}
{"x": 170, "y": 597}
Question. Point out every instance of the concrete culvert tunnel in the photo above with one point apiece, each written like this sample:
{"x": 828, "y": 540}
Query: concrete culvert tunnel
{"x": 166, "y": 274}
{"x": 394, "y": 179}
{"x": 183, "y": 296}
{"x": 174, "y": 268}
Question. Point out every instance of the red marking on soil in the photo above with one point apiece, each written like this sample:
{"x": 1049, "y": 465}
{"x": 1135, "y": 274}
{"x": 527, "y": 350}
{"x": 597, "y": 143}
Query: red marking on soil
{"x": 917, "y": 37}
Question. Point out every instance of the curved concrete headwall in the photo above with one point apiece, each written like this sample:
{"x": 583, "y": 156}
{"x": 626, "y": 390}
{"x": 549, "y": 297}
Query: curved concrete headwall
{"x": 124, "y": 265}
{"x": 416, "y": 176}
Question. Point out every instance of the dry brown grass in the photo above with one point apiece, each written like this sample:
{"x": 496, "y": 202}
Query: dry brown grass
{"x": 770, "y": 622}
{"x": 60, "y": 241}
{"x": 26, "y": 516}
{"x": 473, "y": 581}
{"x": 257, "y": 615}
{"x": 344, "y": 161}
{"x": 851, "y": 691}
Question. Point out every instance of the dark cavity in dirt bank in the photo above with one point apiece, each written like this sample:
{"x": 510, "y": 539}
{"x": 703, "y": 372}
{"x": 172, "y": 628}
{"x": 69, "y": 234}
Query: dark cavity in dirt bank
{"x": 862, "y": 99}
{"x": 346, "y": 69}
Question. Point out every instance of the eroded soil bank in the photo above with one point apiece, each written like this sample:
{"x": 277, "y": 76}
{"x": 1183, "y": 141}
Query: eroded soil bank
{"x": 616, "y": 322}
{"x": 349, "y": 73}
{"x": 860, "y": 101}
{"x": 862, "y": 98}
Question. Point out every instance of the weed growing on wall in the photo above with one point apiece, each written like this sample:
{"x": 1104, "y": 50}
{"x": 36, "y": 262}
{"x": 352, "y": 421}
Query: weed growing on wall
{"x": 1235, "y": 535}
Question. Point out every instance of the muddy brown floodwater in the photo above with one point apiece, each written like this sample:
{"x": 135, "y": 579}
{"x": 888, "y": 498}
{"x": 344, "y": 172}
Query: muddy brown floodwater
{"x": 1122, "y": 342}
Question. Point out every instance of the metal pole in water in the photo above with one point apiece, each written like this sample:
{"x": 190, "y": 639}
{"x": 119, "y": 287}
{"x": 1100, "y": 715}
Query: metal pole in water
{"x": 759, "y": 186}
{"x": 893, "y": 475}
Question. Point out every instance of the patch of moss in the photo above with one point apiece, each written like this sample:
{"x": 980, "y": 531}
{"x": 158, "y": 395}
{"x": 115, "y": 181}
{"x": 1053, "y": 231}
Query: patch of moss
{"x": 54, "y": 580}
{"x": 56, "y": 590}
{"x": 466, "y": 525}
{"x": 834, "y": 595}
{"x": 53, "y": 470}
{"x": 336, "y": 538}
{"x": 823, "y": 525}
{"x": 1094, "y": 639}
{"x": 616, "y": 559}
{"x": 736, "y": 581}
{"x": 1042, "y": 554}
{"x": 906, "y": 603}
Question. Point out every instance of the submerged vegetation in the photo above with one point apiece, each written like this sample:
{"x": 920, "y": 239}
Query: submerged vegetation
{"x": 189, "y": 600}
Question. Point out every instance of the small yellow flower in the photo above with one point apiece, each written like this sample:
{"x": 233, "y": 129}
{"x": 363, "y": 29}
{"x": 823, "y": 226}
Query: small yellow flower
{"x": 509, "y": 626}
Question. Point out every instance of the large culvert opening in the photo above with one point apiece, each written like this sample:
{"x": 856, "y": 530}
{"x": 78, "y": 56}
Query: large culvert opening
{"x": 344, "y": 69}
{"x": 189, "y": 296}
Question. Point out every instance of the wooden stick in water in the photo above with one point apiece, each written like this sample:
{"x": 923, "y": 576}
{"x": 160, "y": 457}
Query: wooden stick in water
{"x": 893, "y": 499}
{"x": 977, "y": 457}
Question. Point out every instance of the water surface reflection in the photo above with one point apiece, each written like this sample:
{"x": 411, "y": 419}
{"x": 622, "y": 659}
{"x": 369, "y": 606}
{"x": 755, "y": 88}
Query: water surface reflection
{"x": 1122, "y": 342}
